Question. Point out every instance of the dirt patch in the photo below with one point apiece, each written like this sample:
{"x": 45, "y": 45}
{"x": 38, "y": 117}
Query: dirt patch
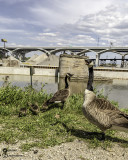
{"x": 77, "y": 150}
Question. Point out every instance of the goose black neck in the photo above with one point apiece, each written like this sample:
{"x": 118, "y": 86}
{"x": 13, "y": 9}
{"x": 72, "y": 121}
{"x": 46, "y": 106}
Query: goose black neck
{"x": 90, "y": 80}
{"x": 66, "y": 82}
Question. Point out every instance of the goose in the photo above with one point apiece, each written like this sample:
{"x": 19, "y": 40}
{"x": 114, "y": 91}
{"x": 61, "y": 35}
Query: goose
{"x": 34, "y": 108}
{"x": 23, "y": 112}
{"x": 61, "y": 95}
{"x": 101, "y": 112}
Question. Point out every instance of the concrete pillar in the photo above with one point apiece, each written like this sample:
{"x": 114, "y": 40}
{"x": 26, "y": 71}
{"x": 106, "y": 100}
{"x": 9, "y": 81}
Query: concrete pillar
{"x": 73, "y": 64}
{"x": 17, "y": 56}
{"x": 20, "y": 57}
{"x": 3, "y": 53}
{"x": 23, "y": 57}
{"x": 75, "y": 86}
{"x": 97, "y": 59}
{"x": 122, "y": 61}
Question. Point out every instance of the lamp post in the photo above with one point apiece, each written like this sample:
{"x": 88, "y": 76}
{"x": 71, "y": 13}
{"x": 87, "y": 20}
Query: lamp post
{"x": 5, "y": 41}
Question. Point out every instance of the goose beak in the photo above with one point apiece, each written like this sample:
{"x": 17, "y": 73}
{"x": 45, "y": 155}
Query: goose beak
{"x": 89, "y": 62}
{"x": 70, "y": 75}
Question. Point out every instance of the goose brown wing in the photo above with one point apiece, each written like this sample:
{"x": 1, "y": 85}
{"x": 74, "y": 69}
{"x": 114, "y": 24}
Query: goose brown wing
{"x": 97, "y": 116}
{"x": 104, "y": 104}
{"x": 106, "y": 115}
{"x": 120, "y": 119}
{"x": 60, "y": 95}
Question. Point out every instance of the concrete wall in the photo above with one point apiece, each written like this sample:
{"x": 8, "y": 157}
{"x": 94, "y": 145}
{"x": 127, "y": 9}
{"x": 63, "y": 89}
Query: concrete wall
{"x": 26, "y": 78}
{"x": 14, "y": 70}
{"x": 110, "y": 73}
{"x": 99, "y": 73}
{"x": 26, "y": 71}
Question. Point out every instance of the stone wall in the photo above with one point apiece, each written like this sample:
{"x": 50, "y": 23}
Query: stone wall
{"x": 73, "y": 64}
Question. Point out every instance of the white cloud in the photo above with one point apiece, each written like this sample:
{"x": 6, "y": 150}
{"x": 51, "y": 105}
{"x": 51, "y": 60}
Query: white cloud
{"x": 59, "y": 44}
{"x": 75, "y": 23}
{"x": 12, "y": 44}
{"x": 47, "y": 34}
{"x": 108, "y": 24}
{"x": 2, "y": 30}
{"x": 5, "y": 20}
{"x": 18, "y": 21}
{"x": 66, "y": 11}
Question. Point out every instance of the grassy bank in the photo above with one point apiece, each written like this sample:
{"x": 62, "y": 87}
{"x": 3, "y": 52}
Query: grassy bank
{"x": 49, "y": 128}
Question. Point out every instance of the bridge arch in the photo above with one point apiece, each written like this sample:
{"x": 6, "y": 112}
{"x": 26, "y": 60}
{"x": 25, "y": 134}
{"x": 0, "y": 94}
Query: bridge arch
{"x": 60, "y": 50}
{"x": 98, "y": 54}
{"x": 20, "y": 53}
{"x": 3, "y": 52}
{"x": 44, "y": 51}
{"x": 27, "y": 51}
{"x": 4, "y": 49}
{"x": 85, "y": 51}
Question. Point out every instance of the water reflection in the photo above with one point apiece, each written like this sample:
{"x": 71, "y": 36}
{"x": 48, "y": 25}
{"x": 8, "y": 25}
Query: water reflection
{"x": 75, "y": 86}
{"x": 116, "y": 90}
{"x": 50, "y": 84}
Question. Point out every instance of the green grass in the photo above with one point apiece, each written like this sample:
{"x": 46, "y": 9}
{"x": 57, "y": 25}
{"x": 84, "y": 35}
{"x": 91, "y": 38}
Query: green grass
{"x": 46, "y": 129}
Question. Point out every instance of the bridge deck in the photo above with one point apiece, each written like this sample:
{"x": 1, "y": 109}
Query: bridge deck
{"x": 75, "y": 49}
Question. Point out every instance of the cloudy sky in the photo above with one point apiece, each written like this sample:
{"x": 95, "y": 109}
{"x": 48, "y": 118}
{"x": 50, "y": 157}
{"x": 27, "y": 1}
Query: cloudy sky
{"x": 64, "y": 22}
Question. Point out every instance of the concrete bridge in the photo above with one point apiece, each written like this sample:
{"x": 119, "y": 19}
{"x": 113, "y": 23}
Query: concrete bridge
{"x": 20, "y": 52}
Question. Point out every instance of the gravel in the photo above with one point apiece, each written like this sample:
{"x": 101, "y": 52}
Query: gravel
{"x": 76, "y": 150}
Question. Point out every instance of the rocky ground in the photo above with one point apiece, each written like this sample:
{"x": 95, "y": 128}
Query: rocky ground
{"x": 76, "y": 150}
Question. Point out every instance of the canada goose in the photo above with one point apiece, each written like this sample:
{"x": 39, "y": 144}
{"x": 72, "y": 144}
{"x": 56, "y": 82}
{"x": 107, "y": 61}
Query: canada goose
{"x": 101, "y": 112}
{"x": 23, "y": 112}
{"x": 34, "y": 108}
{"x": 61, "y": 95}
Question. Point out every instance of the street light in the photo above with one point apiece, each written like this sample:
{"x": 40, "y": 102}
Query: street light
{"x": 5, "y": 41}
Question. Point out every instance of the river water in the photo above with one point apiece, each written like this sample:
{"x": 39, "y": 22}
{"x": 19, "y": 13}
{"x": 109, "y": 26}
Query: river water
{"x": 116, "y": 90}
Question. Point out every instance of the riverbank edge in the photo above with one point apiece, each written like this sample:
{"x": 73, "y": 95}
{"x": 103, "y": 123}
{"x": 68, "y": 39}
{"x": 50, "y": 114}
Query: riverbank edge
{"x": 101, "y": 73}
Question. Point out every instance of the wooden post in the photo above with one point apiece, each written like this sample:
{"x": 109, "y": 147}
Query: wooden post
{"x": 32, "y": 71}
